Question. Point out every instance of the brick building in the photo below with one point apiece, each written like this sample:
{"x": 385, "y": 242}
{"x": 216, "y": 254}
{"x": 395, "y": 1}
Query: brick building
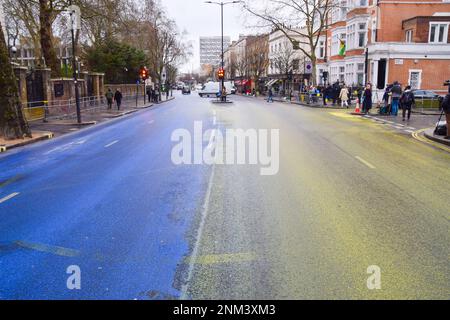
{"x": 405, "y": 40}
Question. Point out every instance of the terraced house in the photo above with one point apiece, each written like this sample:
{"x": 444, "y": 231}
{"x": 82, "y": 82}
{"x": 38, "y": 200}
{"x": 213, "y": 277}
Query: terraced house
{"x": 386, "y": 41}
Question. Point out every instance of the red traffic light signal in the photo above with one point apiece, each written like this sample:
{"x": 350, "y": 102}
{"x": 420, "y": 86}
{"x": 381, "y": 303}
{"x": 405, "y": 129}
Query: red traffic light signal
{"x": 144, "y": 73}
{"x": 221, "y": 73}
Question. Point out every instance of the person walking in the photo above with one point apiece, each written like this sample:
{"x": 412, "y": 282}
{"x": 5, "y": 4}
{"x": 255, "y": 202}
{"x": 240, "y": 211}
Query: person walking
{"x": 149, "y": 94}
{"x": 387, "y": 101}
{"x": 325, "y": 95}
{"x": 407, "y": 100}
{"x": 396, "y": 94}
{"x": 118, "y": 98}
{"x": 344, "y": 96}
{"x": 270, "y": 98}
{"x": 109, "y": 98}
{"x": 446, "y": 109}
{"x": 367, "y": 99}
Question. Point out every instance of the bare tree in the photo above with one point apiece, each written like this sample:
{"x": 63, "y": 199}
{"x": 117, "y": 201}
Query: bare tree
{"x": 257, "y": 56}
{"x": 301, "y": 21}
{"x": 23, "y": 16}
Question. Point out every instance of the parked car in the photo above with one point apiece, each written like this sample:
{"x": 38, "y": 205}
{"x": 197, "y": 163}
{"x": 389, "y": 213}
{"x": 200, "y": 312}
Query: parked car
{"x": 427, "y": 99}
{"x": 186, "y": 90}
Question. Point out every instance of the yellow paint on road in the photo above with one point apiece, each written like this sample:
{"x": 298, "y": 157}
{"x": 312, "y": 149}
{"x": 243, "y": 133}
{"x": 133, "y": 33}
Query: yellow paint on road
{"x": 223, "y": 258}
{"x": 58, "y": 251}
{"x": 417, "y": 135}
{"x": 345, "y": 115}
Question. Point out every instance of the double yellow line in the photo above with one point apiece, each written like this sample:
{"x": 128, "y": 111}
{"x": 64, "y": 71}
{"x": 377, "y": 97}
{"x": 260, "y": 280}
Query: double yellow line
{"x": 418, "y": 136}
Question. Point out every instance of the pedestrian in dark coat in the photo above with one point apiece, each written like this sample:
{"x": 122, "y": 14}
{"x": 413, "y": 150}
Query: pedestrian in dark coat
{"x": 407, "y": 100}
{"x": 396, "y": 92}
{"x": 109, "y": 98}
{"x": 118, "y": 98}
{"x": 149, "y": 94}
{"x": 367, "y": 99}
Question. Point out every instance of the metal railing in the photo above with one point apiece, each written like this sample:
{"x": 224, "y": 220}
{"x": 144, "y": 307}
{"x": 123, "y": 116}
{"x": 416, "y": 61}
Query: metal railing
{"x": 66, "y": 109}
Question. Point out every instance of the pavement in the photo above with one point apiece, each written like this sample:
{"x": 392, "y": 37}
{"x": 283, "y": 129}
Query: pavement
{"x": 351, "y": 193}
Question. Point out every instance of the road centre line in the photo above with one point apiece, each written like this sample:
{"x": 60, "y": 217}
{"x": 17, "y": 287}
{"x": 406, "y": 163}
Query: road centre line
{"x": 111, "y": 144}
{"x": 12, "y": 195}
{"x": 365, "y": 162}
{"x": 59, "y": 251}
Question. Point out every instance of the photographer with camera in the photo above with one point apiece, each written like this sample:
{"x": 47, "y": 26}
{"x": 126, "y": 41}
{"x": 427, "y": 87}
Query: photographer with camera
{"x": 446, "y": 108}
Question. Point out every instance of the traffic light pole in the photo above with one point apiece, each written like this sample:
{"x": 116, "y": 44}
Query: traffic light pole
{"x": 222, "y": 4}
{"x": 223, "y": 98}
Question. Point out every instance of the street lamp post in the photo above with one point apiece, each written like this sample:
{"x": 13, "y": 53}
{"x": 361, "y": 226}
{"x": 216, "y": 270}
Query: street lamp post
{"x": 75, "y": 19}
{"x": 222, "y": 4}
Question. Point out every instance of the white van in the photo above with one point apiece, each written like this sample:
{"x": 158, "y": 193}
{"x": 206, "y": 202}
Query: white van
{"x": 211, "y": 89}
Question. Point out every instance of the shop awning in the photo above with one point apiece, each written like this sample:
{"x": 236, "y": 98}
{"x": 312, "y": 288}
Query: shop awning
{"x": 271, "y": 82}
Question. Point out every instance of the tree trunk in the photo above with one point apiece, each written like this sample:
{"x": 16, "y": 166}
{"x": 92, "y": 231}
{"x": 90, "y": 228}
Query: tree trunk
{"x": 12, "y": 122}
{"x": 46, "y": 33}
{"x": 314, "y": 70}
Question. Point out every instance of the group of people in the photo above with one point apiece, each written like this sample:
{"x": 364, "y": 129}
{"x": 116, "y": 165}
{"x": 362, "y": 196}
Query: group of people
{"x": 153, "y": 94}
{"x": 395, "y": 98}
{"x": 111, "y": 97}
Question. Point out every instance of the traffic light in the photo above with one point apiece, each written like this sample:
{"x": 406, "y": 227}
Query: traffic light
{"x": 221, "y": 74}
{"x": 144, "y": 73}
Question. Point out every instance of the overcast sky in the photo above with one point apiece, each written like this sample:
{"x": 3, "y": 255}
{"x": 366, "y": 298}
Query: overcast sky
{"x": 201, "y": 19}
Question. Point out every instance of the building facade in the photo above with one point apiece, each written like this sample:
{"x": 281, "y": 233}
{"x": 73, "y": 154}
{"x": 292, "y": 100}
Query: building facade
{"x": 211, "y": 50}
{"x": 288, "y": 66}
{"x": 386, "y": 41}
{"x": 230, "y": 61}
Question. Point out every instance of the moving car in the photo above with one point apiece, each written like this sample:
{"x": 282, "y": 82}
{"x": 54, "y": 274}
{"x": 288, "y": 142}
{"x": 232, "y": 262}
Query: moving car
{"x": 186, "y": 90}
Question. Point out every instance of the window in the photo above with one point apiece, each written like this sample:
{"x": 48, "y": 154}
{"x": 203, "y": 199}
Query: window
{"x": 322, "y": 49}
{"x": 409, "y": 35}
{"x": 342, "y": 74}
{"x": 415, "y": 78}
{"x": 374, "y": 31}
{"x": 350, "y": 36}
{"x": 360, "y": 73}
{"x": 438, "y": 32}
{"x": 362, "y": 35}
{"x": 296, "y": 64}
{"x": 360, "y": 3}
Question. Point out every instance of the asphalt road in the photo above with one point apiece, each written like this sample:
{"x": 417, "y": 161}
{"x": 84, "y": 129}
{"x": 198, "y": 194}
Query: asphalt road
{"x": 350, "y": 193}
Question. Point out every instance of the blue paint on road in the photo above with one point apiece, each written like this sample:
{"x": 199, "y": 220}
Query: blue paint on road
{"x": 126, "y": 209}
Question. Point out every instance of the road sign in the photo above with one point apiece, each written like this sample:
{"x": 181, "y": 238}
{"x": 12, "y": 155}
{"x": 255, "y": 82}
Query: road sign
{"x": 308, "y": 67}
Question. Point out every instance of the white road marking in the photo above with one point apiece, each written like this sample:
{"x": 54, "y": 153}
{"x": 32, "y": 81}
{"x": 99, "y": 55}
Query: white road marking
{"x": 12, "y": 195}
{"x": 365, "y": 162}
{"x": 214, "y": 120}
{"x": 211, "y": 141}
{"x": 111, "y": 144}
{"x": 81, "y": 142}
{"x": 194, "y": 256}
{"x": 410, "y": 131}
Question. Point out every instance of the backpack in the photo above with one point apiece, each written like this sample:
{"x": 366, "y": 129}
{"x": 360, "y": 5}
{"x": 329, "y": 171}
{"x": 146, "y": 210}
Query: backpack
{"x": 407, "y": 98}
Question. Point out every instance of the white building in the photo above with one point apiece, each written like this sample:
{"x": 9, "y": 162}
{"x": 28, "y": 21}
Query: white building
{"x": 211, "y": 50}
{"x": 284, "y": 58}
